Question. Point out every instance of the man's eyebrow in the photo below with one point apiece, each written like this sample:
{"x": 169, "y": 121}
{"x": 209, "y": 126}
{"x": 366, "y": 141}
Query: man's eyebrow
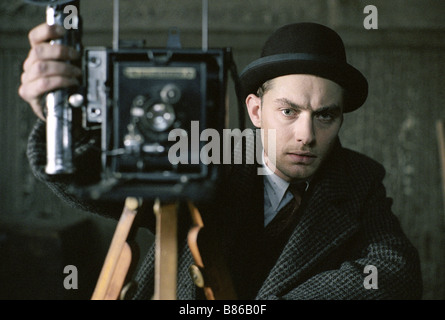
{"x": 287, "y": 102}
{"x": 330, "y": 108}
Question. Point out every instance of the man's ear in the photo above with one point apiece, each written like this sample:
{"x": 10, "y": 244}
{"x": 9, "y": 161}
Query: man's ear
{"x": 253, "y": 104}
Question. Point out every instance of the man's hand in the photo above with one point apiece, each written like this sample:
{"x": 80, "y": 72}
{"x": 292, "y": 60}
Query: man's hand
{"x": 45, "y": 69}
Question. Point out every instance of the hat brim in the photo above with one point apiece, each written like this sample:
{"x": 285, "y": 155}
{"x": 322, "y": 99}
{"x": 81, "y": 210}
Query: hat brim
{"x": 270, "y": 67}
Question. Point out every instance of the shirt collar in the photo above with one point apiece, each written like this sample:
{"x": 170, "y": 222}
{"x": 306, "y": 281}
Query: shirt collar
{"x": 275, "y": 186}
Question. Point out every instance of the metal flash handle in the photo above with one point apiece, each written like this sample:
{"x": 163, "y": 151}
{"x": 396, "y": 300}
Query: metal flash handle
{"x": 59, "y": 113}
{"x": 58, "y": 134}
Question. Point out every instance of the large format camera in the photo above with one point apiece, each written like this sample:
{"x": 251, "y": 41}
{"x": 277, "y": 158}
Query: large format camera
{"x": 136, "y": 97}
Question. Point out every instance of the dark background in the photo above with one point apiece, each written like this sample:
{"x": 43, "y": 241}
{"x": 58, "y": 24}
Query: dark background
{"x": 403, "y": 60}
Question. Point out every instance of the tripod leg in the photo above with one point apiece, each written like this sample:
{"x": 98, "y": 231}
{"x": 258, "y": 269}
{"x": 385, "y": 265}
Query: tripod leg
{"x": 166, "y": 258}
{"x": 210, "y": 271}
{"x": 118, "y": 258}
{"x": 114, "y": 291}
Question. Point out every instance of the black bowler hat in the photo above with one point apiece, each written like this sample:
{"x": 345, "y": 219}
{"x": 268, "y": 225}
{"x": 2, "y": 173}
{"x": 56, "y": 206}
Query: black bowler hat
{"x": 306, "y": 48}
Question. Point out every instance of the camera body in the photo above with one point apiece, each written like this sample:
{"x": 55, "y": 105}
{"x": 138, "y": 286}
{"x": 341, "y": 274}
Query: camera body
{"x": 138, "y": 97}
{"x": 134, "y": 98}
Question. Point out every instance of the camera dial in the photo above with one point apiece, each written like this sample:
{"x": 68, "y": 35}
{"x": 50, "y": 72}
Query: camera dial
{"x": 160, "y": 117}
{"x": 170, "y": 93}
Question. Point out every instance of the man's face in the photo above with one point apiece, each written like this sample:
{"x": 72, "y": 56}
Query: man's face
{"x": 306, "y": 113}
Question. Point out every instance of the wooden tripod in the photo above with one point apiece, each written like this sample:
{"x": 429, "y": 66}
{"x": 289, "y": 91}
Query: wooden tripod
{"x": 209, "y": 271}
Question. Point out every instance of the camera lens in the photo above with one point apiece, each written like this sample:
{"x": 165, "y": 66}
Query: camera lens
{"x": 160, "y": 117}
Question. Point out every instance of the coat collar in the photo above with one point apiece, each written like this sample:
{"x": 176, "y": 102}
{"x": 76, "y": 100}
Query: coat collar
{"x": 326, "y": 222}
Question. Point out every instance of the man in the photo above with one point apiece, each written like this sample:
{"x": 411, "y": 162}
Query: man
{"x": 320, "y": 222}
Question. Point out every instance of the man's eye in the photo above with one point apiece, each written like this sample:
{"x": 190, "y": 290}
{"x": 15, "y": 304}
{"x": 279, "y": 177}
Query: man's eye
{"x": 288, "y": 112}
{"x": 326, "y": 116}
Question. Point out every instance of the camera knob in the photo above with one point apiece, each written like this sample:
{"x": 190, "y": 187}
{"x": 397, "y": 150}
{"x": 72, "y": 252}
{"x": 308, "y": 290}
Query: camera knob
{"x": 160, "y": 117}
{"x": 76, "y": 100}
{"x": 170, "y": 93}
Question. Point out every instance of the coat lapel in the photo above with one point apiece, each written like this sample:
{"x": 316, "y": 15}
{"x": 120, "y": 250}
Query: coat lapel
{"x": 326, "y": 222}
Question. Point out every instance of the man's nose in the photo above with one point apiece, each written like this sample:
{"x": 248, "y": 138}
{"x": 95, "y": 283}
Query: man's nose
{"x": 304, "y": 130}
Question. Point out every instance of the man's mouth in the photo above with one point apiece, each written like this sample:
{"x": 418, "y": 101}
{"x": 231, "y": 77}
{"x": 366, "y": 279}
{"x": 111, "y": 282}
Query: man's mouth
{"x": 302, "y": 157}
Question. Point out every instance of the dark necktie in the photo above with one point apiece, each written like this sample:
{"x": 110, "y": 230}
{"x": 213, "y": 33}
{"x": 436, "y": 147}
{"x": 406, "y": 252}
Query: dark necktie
{"x": 287, "y": 215}
{"x": 277, "y": 232}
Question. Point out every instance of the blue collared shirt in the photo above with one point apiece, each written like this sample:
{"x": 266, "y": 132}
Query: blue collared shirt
{"x": 276, "y": 195}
